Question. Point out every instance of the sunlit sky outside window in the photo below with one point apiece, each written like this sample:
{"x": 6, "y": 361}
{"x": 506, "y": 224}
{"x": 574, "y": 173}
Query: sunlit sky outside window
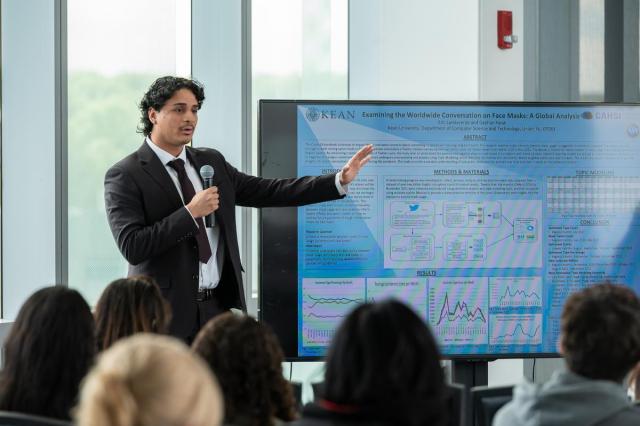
{"x": 278, "y": 43}
{"x": 140, "y": 36}
{"x": 116, "y": 49}
{"x": 299, "y": 50}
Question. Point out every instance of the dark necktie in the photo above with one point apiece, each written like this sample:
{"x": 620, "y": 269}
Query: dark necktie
{"x": 204, "y": 249}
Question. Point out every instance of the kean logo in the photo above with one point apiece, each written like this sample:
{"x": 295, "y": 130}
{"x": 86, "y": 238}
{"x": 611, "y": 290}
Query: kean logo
{"x": 314, "y": 115}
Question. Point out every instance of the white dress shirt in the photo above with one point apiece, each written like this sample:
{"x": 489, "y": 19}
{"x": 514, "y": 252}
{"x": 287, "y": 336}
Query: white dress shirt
{"x": 210, "y": 271}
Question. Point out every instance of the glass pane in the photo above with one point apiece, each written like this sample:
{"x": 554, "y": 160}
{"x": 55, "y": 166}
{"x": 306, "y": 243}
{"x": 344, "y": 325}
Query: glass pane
{"x": 591, "y": 72}
{"x": 116, "y": 49}
{"x": 299, "y": 50}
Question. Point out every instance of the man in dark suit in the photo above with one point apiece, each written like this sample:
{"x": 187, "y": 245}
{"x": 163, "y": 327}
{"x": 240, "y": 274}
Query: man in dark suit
{"x": 156, "y": 203}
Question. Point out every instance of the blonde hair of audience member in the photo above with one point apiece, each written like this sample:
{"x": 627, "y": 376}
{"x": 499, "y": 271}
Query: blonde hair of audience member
{"x": 150, "y": 380}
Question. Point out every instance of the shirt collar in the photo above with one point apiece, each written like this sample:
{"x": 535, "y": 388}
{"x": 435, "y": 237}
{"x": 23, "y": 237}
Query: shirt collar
{"x": 163, "y": 155}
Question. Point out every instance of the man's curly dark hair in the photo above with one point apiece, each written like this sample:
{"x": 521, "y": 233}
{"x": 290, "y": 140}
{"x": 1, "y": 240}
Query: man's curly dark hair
{"x": 160, "y": 92}
{"x": 246, "y": 357}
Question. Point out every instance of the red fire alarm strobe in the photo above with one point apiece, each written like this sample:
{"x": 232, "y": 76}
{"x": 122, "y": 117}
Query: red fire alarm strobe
{"x": 505, "y": 30}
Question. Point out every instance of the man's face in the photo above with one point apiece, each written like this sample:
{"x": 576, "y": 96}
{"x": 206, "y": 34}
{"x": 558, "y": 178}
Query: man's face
{"x": 175, "y": 123}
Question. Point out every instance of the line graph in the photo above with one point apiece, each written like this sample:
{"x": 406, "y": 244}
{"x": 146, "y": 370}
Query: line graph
{"x": 313, "y": 315}
{"x": 412, "y": 291}
{"x": 532, "y": 297}
{"x": 324, "y": 303}
{"x": 460, "y": 312}
{"x": 331, "y": 301}
{"x": 521, "y": 329}
{"x": 516, "y": 292}
{"x": 458, "y": 309}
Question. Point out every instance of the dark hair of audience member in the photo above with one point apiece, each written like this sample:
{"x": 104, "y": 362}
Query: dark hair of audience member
{"x": 160, "y": 92}
{"x": 128, "y": 306}
{"x": 49, "y": 350}
{"x": 600, "y": 336}
{"x": 247, "y": 359}
{"x": 384, "y": 360}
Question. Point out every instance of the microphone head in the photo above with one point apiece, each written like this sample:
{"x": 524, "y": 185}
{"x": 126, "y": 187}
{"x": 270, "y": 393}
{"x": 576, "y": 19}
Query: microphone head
{"x": 206, "y": 172}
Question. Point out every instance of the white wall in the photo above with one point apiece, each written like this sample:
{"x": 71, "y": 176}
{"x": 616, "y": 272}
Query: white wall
{"x": 28, "y": 150}
{"x": 418, "y": 50}
{"x": 413, "y": 50}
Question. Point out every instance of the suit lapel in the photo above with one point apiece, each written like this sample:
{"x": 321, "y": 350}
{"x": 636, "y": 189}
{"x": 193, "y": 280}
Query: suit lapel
{"x": 198, "y": 159}
{"x": 152, "y": 165}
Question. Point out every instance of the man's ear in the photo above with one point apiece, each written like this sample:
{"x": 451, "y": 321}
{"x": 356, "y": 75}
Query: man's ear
{"x": 153, "y": 115}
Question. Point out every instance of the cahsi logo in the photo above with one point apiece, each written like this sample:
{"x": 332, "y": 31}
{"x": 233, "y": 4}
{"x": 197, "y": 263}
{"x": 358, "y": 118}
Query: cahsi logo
{"x": 314, "y": 114}
{"x": 633, "y": 131}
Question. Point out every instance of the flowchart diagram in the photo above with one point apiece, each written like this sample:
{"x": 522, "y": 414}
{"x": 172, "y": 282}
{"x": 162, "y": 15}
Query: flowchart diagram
{"x": 448, "y": 234}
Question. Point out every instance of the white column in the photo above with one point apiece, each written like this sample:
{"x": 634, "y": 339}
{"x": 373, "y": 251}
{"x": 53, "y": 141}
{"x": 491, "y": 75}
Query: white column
{"x": 30, "y": 111}
{"x": 220, "y": 61}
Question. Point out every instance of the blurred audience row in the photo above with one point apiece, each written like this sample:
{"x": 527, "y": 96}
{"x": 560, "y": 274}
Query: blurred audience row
{"x": 115, "y": 368}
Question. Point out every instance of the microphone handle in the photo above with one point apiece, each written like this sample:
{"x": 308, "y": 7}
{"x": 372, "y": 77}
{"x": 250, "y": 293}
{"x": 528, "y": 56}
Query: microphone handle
{"x": 209, "y": 220}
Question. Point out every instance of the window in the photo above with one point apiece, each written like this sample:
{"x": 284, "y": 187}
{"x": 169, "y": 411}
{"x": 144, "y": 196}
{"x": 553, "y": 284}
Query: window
{"x": 299, "y": 49}
{"x": 116, "y": 49}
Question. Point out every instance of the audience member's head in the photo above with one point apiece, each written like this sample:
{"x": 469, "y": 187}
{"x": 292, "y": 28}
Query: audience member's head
{"x": 247, "y": 360}
{"x": 49, "y": 350}
{"x": 600, "y": 336}
{"x": 149, "y": 380}
{"x": 384, "y": 359}
{"x": 128, "y": 306}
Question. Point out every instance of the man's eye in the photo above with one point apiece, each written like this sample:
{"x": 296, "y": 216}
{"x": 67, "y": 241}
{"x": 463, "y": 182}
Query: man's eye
{"x": 178, "y": 109}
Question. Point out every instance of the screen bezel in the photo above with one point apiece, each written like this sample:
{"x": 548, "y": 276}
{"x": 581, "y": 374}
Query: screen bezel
{"x": 288, "y": 146}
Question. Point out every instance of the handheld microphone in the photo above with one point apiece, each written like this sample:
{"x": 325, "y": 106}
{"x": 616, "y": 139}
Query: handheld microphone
{"x": 206, "y": 173}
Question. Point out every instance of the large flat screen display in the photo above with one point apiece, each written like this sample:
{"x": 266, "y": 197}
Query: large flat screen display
{"x": 483, "y": 217}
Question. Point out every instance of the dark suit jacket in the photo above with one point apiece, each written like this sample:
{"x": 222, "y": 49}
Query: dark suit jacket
{"x": 155, "y": 233}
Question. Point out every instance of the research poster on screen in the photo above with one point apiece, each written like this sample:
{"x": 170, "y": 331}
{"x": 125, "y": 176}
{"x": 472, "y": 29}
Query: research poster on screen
{"x": 481, "y": 218}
